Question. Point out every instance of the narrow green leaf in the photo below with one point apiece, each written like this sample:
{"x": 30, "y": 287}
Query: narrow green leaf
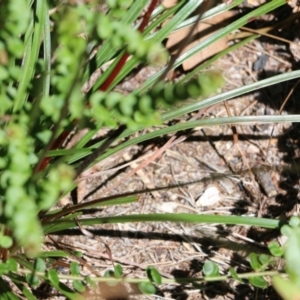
{"x": 26, "y": 292}
{"x": 47, "y": 51}
{"x": 32, "y": 52}
{"x": 6, "y": 292}
{"x": 77, "y": 253}
{"x": 210, "y": 61}
{"x": 160, "y": 20}
{"x": 61, "y": 287}
{"x": 106, "y": 51}
{"x": 172, "y": 114}
{"x": 261, "y": 10}
{"x": 180, "y": 16}
{"x": 147, "y": 288}
{"x": 23, "y": 262}
{"x": 58, "y": 225}
{"x": 56, "y": 253}
{"x": 209, "y": 14}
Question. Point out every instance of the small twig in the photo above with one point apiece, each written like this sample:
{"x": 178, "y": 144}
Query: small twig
{"x": 143, "y": 165}
{"x": 236, "y": 142}
{"x": 255, "y": 50}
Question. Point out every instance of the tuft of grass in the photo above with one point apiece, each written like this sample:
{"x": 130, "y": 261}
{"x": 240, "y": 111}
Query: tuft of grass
{"x": 48, "y": 51}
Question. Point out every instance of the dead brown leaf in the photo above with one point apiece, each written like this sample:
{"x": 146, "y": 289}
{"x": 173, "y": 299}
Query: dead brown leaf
{"x": 203, "y": 31}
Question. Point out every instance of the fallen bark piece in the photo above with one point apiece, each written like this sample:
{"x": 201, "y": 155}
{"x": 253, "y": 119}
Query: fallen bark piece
{"x": 203, "y": 30}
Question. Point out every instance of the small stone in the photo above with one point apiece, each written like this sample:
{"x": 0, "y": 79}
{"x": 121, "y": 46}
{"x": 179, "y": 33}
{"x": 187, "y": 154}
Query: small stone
{"x": 211, "y": 196}
{"x": 252, "y": 149}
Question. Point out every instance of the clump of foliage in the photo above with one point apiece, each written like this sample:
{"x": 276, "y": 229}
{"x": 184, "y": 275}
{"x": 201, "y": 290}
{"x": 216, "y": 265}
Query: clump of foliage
{"x": 48, "y": 51}
{"x": 42, "y": 77}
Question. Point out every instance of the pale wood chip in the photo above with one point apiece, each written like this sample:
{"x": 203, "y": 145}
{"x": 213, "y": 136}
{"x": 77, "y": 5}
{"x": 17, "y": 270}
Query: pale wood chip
{"x": 143, "y": 176}
{"x": 169, "y": 3}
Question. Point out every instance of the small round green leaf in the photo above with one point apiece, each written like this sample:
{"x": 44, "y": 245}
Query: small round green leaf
{"x": 12, "y": 264}
{"x": 210, "y": 269}
{"x": 53, "y": 277}
{"x": 209, "y": 82}
{"x": 147, "y": 288}
{"x": 32, "y": 279}
{"x": 4, "y": 268}
{"x": 294, "y": 221}
{"x": 234, "y": 275}
{"x": 89, "y": 281}
{"x": 254, "y": 261}
{"x": 118, "y": 271}
{"x": 258, "y": 282}
{"x": 110, "y": 274}
{"x": 286, "y": 230}
{"x": 79, "y": 286}
{"x": 264, "y": 259}
{"x": 193, "y": 89}
{"x": 112, "y": 3}
{"x": 78, "y": 253}
{"x": 275, "y": 249}
{"x": 145, "y": 104}
{"x": 6, "y": 241}
{"x": 39, "y": 265}
{"x": 153, "y": 275}
{"x": 74, "y": 268}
